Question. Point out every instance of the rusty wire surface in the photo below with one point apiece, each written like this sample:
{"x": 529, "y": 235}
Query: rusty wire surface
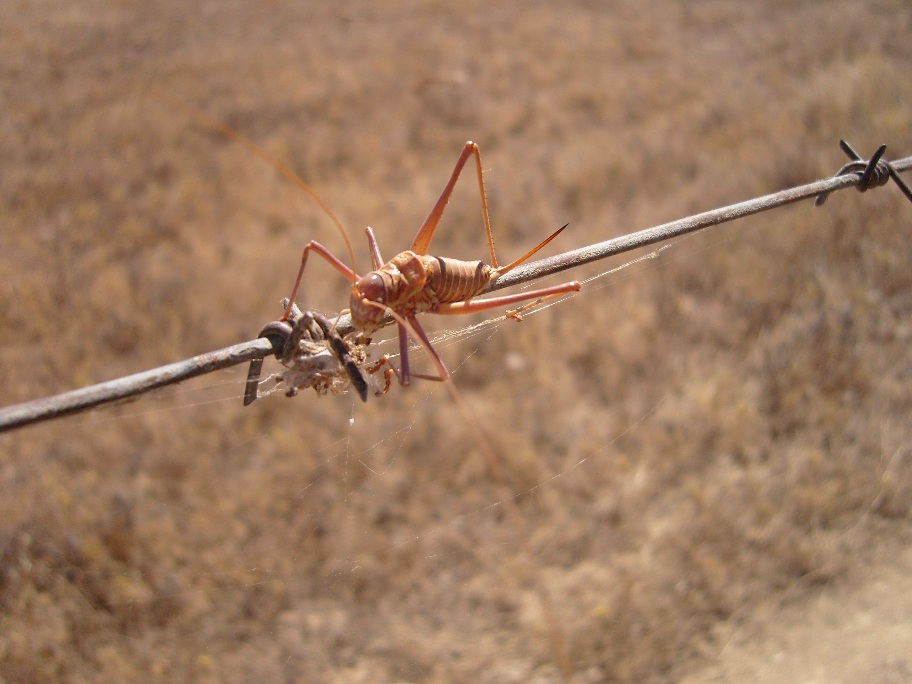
{"x": 858, "y": 173}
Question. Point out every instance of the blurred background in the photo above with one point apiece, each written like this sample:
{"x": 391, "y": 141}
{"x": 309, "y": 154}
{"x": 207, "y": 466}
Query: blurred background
{"x": 707, "y": 455}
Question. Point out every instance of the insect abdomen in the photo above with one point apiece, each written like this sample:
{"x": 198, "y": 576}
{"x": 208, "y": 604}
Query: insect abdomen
{"x": 453, "y": 280}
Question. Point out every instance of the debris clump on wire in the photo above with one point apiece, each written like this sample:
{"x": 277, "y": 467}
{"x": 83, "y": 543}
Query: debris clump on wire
{"x": 314, "y": 355}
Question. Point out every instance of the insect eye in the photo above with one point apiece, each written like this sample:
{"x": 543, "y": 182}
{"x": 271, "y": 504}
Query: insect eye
{"x": 371, "y": 288}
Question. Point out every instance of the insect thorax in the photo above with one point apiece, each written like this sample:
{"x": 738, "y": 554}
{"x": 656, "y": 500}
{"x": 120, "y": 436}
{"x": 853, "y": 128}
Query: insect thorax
{"x": 411, "y": 284}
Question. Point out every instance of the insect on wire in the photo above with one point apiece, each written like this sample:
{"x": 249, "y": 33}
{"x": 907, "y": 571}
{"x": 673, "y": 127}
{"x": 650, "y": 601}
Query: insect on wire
{"x": 79, "y": 400}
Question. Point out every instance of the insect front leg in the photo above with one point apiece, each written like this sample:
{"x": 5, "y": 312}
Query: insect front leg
{"x": 333, "y": 261}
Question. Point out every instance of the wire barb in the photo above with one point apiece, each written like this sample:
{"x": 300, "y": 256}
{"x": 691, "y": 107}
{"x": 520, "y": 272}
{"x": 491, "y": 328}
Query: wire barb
{"x": 278, "y": 332}
{"x": 871, "y": 174}
{"x": 313, "y": 353}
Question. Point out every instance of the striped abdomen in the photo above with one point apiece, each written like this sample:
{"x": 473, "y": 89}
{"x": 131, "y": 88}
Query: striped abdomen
{"x": 452, "y": 280}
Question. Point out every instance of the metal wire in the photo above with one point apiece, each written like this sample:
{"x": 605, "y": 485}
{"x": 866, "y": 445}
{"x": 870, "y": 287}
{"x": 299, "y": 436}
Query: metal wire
{"x": 561, "y": 262}
{"x": 858, "y": 173}
{"x": 131, "y": 385}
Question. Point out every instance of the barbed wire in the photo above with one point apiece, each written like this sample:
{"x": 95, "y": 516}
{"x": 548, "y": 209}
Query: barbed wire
{"x": 317, "y": 349}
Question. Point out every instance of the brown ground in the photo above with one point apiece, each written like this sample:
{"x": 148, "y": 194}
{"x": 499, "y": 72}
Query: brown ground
{"x": 722, "y": 433}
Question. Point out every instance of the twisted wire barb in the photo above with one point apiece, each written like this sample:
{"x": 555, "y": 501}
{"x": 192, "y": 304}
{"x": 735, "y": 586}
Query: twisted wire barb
{"x": 858, "y": 173}
{"x": 874, "y": 172}
{"x": 311, "y": 347}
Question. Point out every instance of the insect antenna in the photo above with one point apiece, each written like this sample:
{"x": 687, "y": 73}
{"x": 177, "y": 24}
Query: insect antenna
{"x": 226, "y": 130}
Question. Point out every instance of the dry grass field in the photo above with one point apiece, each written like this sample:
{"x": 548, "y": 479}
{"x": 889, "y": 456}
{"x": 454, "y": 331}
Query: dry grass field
{"x": 708, "y": 454}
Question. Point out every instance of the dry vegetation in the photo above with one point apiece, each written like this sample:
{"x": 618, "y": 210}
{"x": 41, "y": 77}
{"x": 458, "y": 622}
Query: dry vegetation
{"x": 723, "y": 427}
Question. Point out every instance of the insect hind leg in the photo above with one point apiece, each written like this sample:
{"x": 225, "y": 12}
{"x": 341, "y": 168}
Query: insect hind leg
{"x": 422, "y": 240}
